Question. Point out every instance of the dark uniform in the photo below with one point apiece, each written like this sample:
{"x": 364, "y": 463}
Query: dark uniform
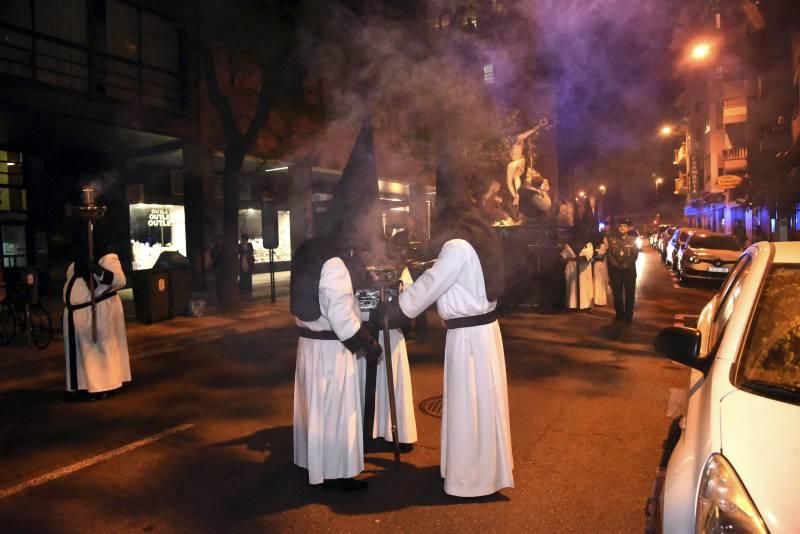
{"x": 621, "y": 258}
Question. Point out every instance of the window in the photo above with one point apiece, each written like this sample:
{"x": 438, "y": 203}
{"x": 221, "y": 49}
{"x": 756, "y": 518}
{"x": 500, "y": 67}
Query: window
{"x": 12, "y": 187}
{"x": 770, "y": 363}
{"x": 15, "y": 252}
{"x": 728, "y": 296}
{"x": 488, "y": 73}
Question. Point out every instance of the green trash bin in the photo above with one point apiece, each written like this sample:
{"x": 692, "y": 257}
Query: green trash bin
{"x": 151, "y": 289}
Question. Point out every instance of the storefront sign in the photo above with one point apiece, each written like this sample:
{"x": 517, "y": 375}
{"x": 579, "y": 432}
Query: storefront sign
{"x": 728, "y": 181}
{"x": 159, "y": 217}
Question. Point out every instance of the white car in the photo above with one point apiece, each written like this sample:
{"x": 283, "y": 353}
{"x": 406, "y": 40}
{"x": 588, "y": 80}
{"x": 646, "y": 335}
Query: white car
{"x": 736, "y": 466}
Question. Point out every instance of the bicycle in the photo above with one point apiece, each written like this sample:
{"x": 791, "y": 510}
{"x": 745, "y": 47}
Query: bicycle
{"x": 17, "y": 312}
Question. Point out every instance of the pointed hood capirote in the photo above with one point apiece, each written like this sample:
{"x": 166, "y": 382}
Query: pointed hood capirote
{"x": 458, "y": 218}
{"x": 351, "y": 221}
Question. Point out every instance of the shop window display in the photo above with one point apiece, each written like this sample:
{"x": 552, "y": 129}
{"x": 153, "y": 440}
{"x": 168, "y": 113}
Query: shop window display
{"x": 156, "y": 228}
{"x": 250, "y": 224}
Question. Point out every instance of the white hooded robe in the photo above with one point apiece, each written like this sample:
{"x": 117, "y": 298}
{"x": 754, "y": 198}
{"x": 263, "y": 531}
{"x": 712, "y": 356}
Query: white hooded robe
{"x": 476, "y": 456}
{"x": 328, "y": 438}
{"x": 587, "y": 285}
{"x": 404, "y": 396}
{"x": 105, "y": 365}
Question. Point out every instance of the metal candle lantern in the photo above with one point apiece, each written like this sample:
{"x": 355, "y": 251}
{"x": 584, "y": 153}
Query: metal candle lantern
{"x": 91, "y": 212}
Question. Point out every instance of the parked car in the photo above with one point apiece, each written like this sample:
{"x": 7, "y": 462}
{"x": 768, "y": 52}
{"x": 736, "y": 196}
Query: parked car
{"x": 708, "y": 256}
{"x": 735, "y": 466}
{"x": 663, "y": 239}
{"x": 653, "y": 237}
{"x": 676, "y": 242}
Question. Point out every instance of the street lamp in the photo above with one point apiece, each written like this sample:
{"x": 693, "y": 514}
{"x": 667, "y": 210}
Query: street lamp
{"x": 602, "y": 189}
{"x": 666, "y": 131}
{"x": 700, "y": 51}
{"x": 582, "y": 194}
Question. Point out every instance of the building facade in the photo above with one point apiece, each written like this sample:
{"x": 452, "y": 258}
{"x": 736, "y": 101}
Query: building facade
{"x": 738, "y": 92}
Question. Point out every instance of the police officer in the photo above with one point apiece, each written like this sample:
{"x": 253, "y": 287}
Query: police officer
{"x": 621, "y": 258}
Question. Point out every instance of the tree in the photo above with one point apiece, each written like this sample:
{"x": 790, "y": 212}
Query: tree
{"x": 255, "y": 46}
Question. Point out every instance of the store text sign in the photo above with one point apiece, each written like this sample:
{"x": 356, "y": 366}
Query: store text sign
{"x": 159, "y": 217}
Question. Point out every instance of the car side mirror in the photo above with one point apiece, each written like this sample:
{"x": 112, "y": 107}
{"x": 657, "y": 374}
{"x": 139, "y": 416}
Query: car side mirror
{"x": 682, "y": 345}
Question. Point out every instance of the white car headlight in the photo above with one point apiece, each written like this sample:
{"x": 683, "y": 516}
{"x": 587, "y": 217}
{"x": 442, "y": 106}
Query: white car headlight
{"x": 723, "y": 504}
{"x": 693, "y": 259}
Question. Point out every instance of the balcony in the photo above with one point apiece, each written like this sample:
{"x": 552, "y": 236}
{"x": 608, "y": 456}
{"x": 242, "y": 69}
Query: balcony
{"x": 32, "y": 55}
{"x": 734, "y": 159}
{"x": 734, "y": 110}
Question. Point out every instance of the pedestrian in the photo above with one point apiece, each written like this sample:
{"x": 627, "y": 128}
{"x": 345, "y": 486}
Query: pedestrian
{"x": 759, "y": 234}
{"x": 95, "y": 368}
{"x": 247, "y": 262}
{"x": 328, "y": 421}
{"x": 404, "y": 396}
{"x": 621, "y": 257}
{"x": 740, "y": 233}
{"x": 600, "y": 270}
{"x": 580, "y": 263}
{"x": 465, "y": 282}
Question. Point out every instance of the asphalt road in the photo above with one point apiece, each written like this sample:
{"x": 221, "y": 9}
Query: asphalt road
{"x": 201, "y": 439}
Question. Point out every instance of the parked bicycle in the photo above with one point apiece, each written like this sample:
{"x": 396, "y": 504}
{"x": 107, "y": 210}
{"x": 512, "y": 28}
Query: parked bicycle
{"x": 19, "y": 312}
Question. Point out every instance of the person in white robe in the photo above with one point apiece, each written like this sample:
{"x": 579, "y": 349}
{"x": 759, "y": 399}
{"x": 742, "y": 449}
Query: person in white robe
{"x": 586, "y": 283}
{"x": 476, "y": 457}
{"x": 102, "y": 366}
{"x": 328, "y": 439}
{"x": 404, "y": 396}
{"x": 600, "y": 272}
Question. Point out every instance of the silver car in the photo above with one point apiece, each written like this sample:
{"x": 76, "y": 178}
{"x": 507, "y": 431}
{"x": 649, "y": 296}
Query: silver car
{"x": 708, "y": 256}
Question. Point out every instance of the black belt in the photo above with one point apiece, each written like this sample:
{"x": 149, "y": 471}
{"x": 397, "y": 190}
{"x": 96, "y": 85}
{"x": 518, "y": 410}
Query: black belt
{"x": 101, "y": 298}
{"x": 326, "y": 335}
{"x": 475, "y": 320}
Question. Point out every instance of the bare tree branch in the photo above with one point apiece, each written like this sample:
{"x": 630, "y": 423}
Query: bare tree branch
{"x": 262, "y": 113}
{"x": 216, "y": 96}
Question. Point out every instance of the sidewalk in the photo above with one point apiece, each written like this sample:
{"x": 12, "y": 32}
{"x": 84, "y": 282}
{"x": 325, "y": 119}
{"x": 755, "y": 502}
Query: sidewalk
{"x": 17, "y": 361}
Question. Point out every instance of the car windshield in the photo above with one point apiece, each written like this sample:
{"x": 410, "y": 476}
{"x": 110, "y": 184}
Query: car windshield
{"x": 770, "y": 364}
{"x": 718, "y": 242}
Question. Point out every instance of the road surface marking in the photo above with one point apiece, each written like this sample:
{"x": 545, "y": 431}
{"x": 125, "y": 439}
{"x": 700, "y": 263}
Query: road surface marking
{"x": 64, "y": 471}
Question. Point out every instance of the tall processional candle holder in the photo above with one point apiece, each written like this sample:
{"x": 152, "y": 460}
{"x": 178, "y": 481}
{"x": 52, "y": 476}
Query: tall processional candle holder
{"x": 90, "y": 212}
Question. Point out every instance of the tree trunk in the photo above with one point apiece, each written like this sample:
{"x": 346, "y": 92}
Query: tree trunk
{"x": 234, "y": 159}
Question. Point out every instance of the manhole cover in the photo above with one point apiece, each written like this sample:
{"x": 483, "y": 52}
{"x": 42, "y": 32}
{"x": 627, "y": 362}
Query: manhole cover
{"x": 432, "y": 406}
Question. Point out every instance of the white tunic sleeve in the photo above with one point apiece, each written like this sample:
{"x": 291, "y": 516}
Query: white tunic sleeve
{"x": 587, "y": 251}
{"x": 435, "y": 281}
{"x": 110, "y": 262}
{"x": 336, "y": 299}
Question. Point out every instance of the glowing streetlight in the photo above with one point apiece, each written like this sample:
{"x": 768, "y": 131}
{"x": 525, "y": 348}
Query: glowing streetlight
{"x": 700, "y": 51}
{"x": 666, "y": 131}
{"x": 582, "y": 194}
{"x": 602, "y": 189}
{"x": 659, "y": 181}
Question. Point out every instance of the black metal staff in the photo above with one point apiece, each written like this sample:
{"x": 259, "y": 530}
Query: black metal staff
{"x": 387, "y": 355}
{"x": 91, "y": 212}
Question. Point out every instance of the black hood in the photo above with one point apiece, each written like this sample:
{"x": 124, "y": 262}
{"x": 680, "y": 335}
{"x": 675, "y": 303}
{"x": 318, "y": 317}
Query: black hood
{"x": 458, "y": 218}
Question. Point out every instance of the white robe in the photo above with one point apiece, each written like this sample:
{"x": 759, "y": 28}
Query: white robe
{"x": 404, "y": 396}
{"x": 587, "y": 285}
{"x": 601, "y": 277}
{"x": 476, "y": 456}
{"x": 105, "y": 365}
{"x": 328, "y": 439}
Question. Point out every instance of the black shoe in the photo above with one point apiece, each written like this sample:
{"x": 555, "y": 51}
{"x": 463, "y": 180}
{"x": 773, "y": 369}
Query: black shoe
{"x": 99, "y": 396}
{"x": 72, "y": 396}
{"x": 405, "y": 448}
{"x": 345, "y": 484}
